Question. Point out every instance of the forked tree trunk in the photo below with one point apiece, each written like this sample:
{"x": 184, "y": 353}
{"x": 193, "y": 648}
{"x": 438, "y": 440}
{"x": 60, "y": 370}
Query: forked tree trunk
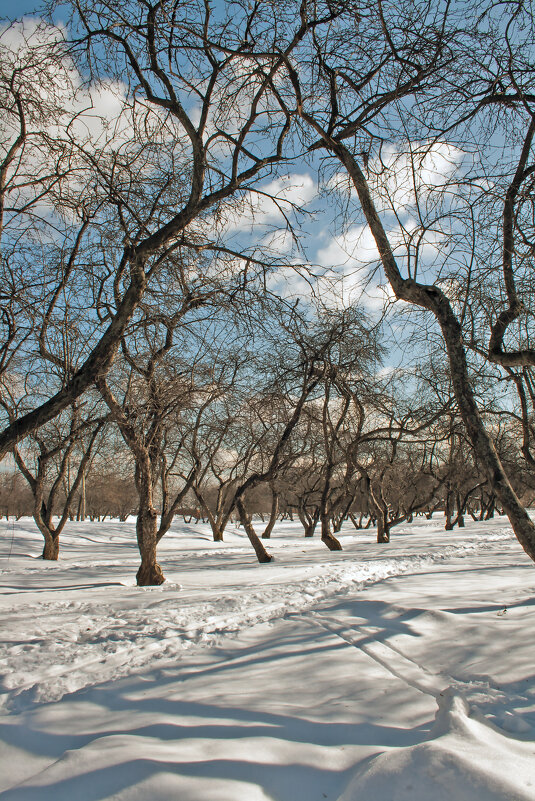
{"x": 261, "y": 553}
{"x": 51, "y": 535}
{"x": 216, "y": 524}
{"x": 309, "y": 522}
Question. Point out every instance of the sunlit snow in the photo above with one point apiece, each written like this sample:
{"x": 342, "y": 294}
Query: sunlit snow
{"x": 401, "y": 672}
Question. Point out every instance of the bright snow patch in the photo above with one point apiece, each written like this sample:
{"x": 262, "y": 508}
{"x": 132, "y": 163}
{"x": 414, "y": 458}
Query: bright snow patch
{"x": 386, "y": 673}
{"x": 465, "y": 758}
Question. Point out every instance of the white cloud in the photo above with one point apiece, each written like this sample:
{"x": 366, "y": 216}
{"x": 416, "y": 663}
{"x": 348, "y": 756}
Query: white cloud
{"x": 354, "y": 247}
{"x": 352, "y": 265}
{"x": 280, "y": 242}
{"x": 270, "y": 204}
{"x": 398, "y": 178}
{"x": 292, "y": 282}
{"x": 74, "y": 117}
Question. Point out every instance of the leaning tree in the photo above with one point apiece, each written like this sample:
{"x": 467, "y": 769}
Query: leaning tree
{"x": 448, "y": 223}
{"x": 195, "y": 135}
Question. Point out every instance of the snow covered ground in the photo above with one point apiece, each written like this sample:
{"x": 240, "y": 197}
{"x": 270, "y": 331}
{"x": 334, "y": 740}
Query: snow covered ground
{"x": 402, "y": 672}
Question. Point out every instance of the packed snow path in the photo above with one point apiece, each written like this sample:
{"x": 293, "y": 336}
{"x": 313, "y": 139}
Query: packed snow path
{"x": 390, "y": 672}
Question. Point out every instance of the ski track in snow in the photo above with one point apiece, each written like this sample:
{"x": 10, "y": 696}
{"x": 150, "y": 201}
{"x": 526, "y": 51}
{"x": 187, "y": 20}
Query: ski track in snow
{"x": 399, "y": 665}
{"x": 86, "y": 643}
{"x": 387, "y": 656}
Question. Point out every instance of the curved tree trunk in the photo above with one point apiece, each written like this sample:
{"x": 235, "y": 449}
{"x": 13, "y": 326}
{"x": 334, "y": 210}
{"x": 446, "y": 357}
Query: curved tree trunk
{"x": 327, "y": 537}
{"x": 273, "y": 515}
{"x": 261, "y": 553}
{"x": 480, "y": 438}
{"x": 433, "y": 299}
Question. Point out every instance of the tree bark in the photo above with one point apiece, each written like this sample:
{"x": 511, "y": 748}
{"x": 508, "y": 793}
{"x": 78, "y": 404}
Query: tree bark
{"x": 149, "y": 573}
{"x": 309, "y": 522}
{"x": 215, "y": 523}
{"x": 273, "y": 515}
{"x": 448, "y": 512}
{"x": 261, "y": 553}
{"x": 51, "y": 547}
{"x": 383, "y": 529}
{"x": 327, "y": 537}
{"x": 489, "y": 513}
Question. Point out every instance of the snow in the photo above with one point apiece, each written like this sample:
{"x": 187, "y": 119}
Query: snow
{"x": 383, "y": 672}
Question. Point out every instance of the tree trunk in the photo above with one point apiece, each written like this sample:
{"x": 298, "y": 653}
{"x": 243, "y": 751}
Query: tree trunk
{"x": 383, "y": 528}
{"x": 261, "y": 553}
{"x": 50, "y": 535}
{"x": 149, "y": 573}
{"x": 309, "y": 522}
{"x": 434, "y": 300}
{"x": 329, "y": 539}
{"x": 460, "y": 512}
{"x": 489, "y": 514}
{"x": 448, "y": 513}
{"x": 51, "y": 547}
{"x": 215, "y": 521}
{"x": 273, "y": 515}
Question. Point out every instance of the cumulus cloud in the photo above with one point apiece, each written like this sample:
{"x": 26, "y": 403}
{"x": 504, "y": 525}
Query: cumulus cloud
{"x": 77, "y": 119}
{"x": 279, "y": 241}
{"x": 270, "y": 205}
{"x": 33, "y": 60}
{"x": 399, "y": 178}
{"x": 348, "y": 250}
{"x": 293, "y": 282}
{"x": 351, "y": 260}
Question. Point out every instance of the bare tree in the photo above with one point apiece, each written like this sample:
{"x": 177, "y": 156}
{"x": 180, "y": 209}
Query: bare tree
{"x": 365, "y": 94}
{"x": 64, "y": 447}
{"x": 198, "y": 125}
{"x": 148, "y": 401}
